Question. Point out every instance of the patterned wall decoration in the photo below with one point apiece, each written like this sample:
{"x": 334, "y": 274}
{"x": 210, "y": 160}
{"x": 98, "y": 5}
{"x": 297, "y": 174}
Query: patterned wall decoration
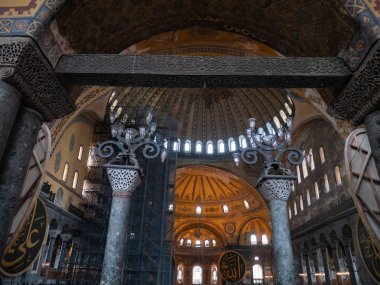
{"x": 72, "y": 142}
{"x": 27, "y": 17}
{"x": 57, "y": 162}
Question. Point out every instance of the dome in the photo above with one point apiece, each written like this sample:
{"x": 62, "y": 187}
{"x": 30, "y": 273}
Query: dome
{"x": 209, "y": 191}
{"x": 208, "y": 114}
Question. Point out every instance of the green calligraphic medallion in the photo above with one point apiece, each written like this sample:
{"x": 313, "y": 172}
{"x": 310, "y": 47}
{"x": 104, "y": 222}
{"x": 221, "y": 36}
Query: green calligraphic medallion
{"x": 369, "y": 252}
{"x": 26, "y": 243}
{"x": 232, "y": 266}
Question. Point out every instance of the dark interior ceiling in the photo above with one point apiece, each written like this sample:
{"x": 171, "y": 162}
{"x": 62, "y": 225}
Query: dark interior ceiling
{"x": 294, "y": 28}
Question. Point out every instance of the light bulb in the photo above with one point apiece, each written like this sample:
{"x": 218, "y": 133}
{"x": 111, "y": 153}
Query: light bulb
{"x": 248, "y": 132}
{"x": 142, "y": 131}
{"x": 252, "y": 122}
{"x": 288, "y": 137}
{"x": 308, "y": 160}
{"x": 280, "y": 133}
{"x": 236, "y": 158}
{"x": 113, "y": 131}
{"x": 112, "y": 117}
{"x": 153, "y": 127}
{"x": 164, "y": 154}
{"x": 149, "y": 118}
{"x": 289, "y": 122}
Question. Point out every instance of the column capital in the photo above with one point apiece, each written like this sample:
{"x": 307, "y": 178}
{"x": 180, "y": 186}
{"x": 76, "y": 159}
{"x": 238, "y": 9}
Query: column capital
{"x": 54, "y": 233}
{"x": 277, "y": 188}
{"x": 124, "y": 181}
{"x": 66, "y": 237}
{"x": 23, "y": 65}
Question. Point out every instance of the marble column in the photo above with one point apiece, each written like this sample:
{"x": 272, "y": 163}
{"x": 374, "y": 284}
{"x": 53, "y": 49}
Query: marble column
{"x": 73, "y": 258}
{"x": 14, "y": 165}
{"x": 308, "y": 270}
{"x": 350, "y": 263}
{"x": 276, "y": 191}
{"x": 123, "y": 182}
{"x": 53, "y": 236}
{"x": 338, "y": 268}
{"x": 372, "y": 125}
{"x": 65, "y": 239}
{"x": 9, "y": 105}
{"x": 325, "y": 262}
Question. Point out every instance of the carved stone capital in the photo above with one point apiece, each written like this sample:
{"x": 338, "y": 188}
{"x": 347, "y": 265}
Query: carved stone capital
{"x": 54, "y": 233}
{"x": 66, "y": 237}
{"x": 123, "y": 180}
{"x": 360, "y": 96}
{"x": 24, "y": 66}
{"x": 276, "y": 188}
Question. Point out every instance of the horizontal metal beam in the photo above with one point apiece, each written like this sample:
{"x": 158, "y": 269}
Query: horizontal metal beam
{"x": 197, "y": 71}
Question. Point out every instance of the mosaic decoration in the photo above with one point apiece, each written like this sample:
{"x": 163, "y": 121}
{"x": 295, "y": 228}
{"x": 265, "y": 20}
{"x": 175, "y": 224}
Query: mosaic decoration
{"x": 28, "y": 17}
{"x": 57, "y": 162}
{"x": 232, "y": 266}
{"x": 370, "y": 254}
{"x": 25, "y": 247}
{"x": 72, "y": 142}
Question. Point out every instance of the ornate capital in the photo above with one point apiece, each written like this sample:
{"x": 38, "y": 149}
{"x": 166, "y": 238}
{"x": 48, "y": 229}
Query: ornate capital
{"x": 24, "y": 66}
{"x": 276, "y": 189}
{"x": 360, "y": 96}
{"x": 66, "y": 237}
{"x": 123, "y": 179}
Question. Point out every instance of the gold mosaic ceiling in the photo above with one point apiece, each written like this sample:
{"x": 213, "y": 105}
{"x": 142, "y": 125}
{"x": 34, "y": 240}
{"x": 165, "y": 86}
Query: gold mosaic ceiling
{"x": 211, "y": 188}
{"x": 294, "y": 28}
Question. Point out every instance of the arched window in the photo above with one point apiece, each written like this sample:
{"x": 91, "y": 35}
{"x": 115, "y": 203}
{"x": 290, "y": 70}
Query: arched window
{"x": 75, "y": 180}
{"x": 288, "y": 109}
{"x": 114, "y": 104}
{"x": 253, "y": 239}
{"x": 118, "y": 112}
{"x": 197, "y": 243}
{"x": 181, "y": 242}
{"x": 210, "y": 147}
{"x": 112, "y": 96}
{"x": 304, "y": 167}
{"x": 65, "y": 172}
{"x": 170, "y": 208}
{"x": 221, "y": 148}
{"x": 290, "y": 212}
{"x": 283, "y": 115}
{"x": 322, "y": 155}
{"x": 207, "y": 243}
{"x": 312, "y": 164}
{"x": 298, "y": 174}
{"x": 214, "y": 274}
{"x": 198, "y": 210}
{"x": 301, "y": 203}
{"x": 295, "y": 208}
{"x": 338, "y": 178}
{"x": 327, "y": 184}
{"x": 277, "y": 123}
{"x": 80, "y": 152}
{"x": 177, "y": 145}
{"x": 225, "y": 209}
{"x": 246, "y": 204}
{"x": 257, "y": 274}
{"x": 188, "y": 242}
{"x": 198, "y": 147}
{"x": 213, "y": 242}
{"x": 180, "y": 274}
{"x": 197, "y": 274}
{"x": 232, "y": 144}
{"x": 264, "y": 239}
{"x": 243, "y": 141}
{"x": 187, "y": 147}
{"x": 308, "y": 197}
{"x": 316, "y": 190}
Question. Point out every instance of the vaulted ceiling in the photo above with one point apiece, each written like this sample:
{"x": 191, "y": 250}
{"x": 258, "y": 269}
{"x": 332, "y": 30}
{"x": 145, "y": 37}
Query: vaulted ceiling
{"x": 294, "y": 28}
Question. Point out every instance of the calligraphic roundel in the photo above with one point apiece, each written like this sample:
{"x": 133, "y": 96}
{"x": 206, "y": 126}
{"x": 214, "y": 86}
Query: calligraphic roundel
{"x": 26, "y": 245}
{"x": 232, "y": 266}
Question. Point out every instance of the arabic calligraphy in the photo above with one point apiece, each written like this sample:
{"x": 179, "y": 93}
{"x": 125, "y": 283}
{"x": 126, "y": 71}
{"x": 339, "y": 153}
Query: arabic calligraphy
{"x": 232, "y": 266}
{"x": 369, "y": 252}
{"x": 24, "y": 249}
